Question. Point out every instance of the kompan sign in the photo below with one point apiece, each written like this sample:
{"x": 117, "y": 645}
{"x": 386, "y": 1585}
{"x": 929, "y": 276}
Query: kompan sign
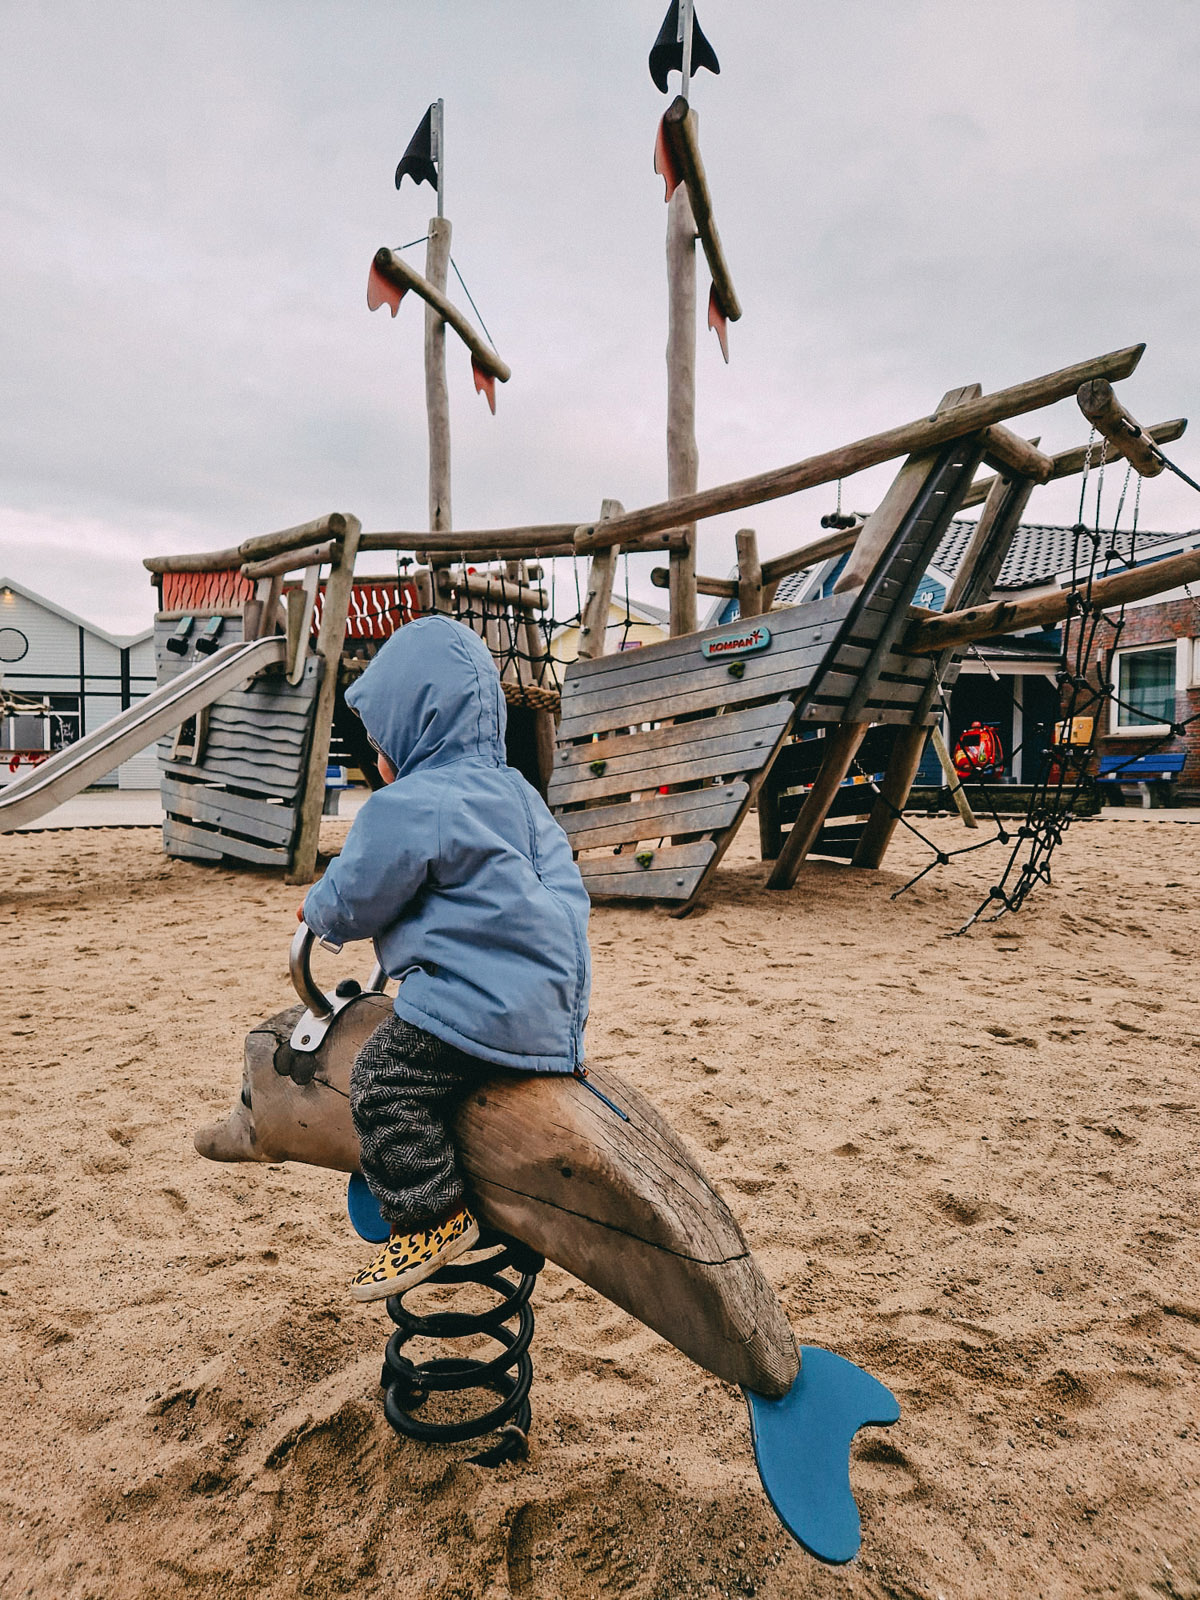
{"x": 736, "y": 644}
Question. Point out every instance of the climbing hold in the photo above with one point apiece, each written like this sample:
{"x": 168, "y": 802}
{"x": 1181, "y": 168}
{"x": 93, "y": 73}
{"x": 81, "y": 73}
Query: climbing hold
{"x": 598, "y": 767}
{"x": 737, "y": 669}
{"x": 644, "y": 857}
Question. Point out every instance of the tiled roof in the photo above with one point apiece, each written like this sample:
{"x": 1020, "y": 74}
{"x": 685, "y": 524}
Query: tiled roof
{"x": 1039, "y": 551}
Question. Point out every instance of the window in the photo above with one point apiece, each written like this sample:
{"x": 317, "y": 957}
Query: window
{"x": 1145, "y": 690}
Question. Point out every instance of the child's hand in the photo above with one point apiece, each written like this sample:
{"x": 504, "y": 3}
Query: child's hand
{"x": 300, "y": 912}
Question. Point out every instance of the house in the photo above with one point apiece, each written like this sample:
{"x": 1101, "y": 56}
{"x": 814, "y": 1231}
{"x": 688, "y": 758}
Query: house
{"x": 62, "y": 677}
{"x": 1011, "y": 682}
{"x": 630, "y": 625}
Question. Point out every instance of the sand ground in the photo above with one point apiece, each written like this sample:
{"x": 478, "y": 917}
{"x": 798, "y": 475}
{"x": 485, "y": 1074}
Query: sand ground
{"x": 969, "y": 1164}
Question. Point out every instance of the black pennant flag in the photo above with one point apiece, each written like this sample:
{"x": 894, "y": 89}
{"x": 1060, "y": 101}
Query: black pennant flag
{"x": 417, "y": 161}
{"x": 667, "y": 54}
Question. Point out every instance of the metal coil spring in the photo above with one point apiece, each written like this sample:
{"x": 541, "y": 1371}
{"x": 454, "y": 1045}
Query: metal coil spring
{"x": 407, "y": 1385}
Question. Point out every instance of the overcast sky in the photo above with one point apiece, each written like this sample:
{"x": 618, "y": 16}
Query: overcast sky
{"x": 913, "y": 194}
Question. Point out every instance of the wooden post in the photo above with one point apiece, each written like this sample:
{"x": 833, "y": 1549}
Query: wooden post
{"x": 437, "y": 396}
{"x": 330, "y": 638}
{"x": 750, "y": 577}
{"x": 683, "y": 457}
{"x": 843, "y": 742}
{"x": 593, "y": 625}
{"x": 953, "y": 781}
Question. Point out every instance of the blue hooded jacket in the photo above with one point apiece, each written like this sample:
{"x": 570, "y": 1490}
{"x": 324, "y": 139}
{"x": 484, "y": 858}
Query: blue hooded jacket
{"x": 457, "y": 870}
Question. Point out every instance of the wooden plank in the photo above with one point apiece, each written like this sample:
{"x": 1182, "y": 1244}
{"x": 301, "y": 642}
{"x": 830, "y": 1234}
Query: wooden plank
{"x": 707, "y": 758}
{"x": 579, "y": 757}
{"x": 225, "y": 844}
{"x": 652, "y": 660}
{"x": 270, "y": 824}
{"x": 620, "y": 1204}
{"x": 657, "y": 816}
{"x": 187, "y": 849}
{"x": 792, "y": 679}
{"x": 911, "y": 438}
{"x": 786, "y": 653}
{"x": 677, "y": 880}
{"x": 263, "y": 778}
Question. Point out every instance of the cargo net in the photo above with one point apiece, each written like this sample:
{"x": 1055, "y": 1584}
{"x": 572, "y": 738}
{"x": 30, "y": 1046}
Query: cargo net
{"x": 1064, "y": 783}
{"x": 529, "y": 616}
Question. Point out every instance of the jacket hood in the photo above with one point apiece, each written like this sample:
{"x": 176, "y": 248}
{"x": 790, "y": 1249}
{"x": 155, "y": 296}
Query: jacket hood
{"x": 431, "y": 696}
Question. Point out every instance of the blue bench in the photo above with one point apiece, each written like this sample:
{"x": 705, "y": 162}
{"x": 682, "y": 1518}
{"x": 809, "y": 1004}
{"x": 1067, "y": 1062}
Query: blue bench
{"x": 1151, "y": 772}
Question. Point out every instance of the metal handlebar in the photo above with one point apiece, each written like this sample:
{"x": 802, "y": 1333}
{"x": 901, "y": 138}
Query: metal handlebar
{"x": 299, "y": 957}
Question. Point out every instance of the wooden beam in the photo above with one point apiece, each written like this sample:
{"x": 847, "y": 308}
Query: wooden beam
{"x": 808, "y": 555}
{"x": 202, "y": 561}
{"x": 1006, "y": 449}
{"x": 593, "y": 624}
{"x": 330, "y": 638}
{"x": 924, "y": 434}
{"x": 1099, "y": 404}
{"x": 503, "y": 544}
{"x": 660, "y": 577}
{"x": 683, "y": 456}
{"x": 842, "y": 744}
{"x": 1069, "y": 462}
{"x": 929, "y": 634}
{"x": 313, "y": 555}
{"x": 432, "y": 289}
{"x": 273, "y": 544}
{"x": 682, "y": 132}
{"x": 492, "y": 587}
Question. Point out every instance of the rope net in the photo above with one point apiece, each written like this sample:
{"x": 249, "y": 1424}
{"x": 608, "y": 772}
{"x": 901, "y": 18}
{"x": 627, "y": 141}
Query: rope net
{"x": 1065, "y": 780}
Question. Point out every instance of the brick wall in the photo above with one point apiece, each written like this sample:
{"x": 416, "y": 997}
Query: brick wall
{"x": 1147, "y": 625}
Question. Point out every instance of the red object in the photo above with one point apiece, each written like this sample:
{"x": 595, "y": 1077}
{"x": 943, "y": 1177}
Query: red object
{"x": 664, "y": 163}
{"x": 204, "y": 591}
{"x": 978, "y": 750}
{"x": 718, "y": 322}
{"x": 485, "y": 383}
{"x": 376, "y": 609}
{"x": 381, "y": 292}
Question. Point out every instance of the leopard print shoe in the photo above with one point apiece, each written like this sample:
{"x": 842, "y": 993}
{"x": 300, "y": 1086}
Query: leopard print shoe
{"x": 409, "y": 1258}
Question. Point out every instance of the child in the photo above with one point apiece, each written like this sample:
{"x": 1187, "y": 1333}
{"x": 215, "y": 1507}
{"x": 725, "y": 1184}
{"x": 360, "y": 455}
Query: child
{"x": 465, "y": 883}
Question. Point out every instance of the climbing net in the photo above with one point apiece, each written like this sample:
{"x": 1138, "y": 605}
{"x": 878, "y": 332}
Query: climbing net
{"x": 1064, "y": 780}
{"x": 522, "y": 610}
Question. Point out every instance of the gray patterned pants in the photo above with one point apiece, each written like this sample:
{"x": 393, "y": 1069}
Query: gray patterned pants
{"x": 405, "y": 1086}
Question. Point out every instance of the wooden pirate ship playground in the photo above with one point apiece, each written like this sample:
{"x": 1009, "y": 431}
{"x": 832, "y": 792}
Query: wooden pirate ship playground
{"x": 651, "y": 759}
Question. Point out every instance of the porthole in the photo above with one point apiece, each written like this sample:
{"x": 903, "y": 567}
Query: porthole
{"x": 13, "y": 644}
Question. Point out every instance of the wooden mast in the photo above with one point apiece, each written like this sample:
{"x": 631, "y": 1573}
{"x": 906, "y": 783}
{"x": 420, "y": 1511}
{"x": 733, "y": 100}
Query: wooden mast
{"x": 683, "y": 455}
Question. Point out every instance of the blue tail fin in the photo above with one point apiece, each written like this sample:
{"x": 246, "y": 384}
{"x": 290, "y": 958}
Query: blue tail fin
{"x": 802, "y": 1447}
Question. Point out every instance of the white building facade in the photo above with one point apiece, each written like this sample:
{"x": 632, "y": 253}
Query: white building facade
{"x": 77, "y": 676}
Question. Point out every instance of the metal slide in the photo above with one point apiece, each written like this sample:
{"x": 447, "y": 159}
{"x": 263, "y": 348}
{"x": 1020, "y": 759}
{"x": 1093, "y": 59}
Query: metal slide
{"x": 95, "y": 755}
